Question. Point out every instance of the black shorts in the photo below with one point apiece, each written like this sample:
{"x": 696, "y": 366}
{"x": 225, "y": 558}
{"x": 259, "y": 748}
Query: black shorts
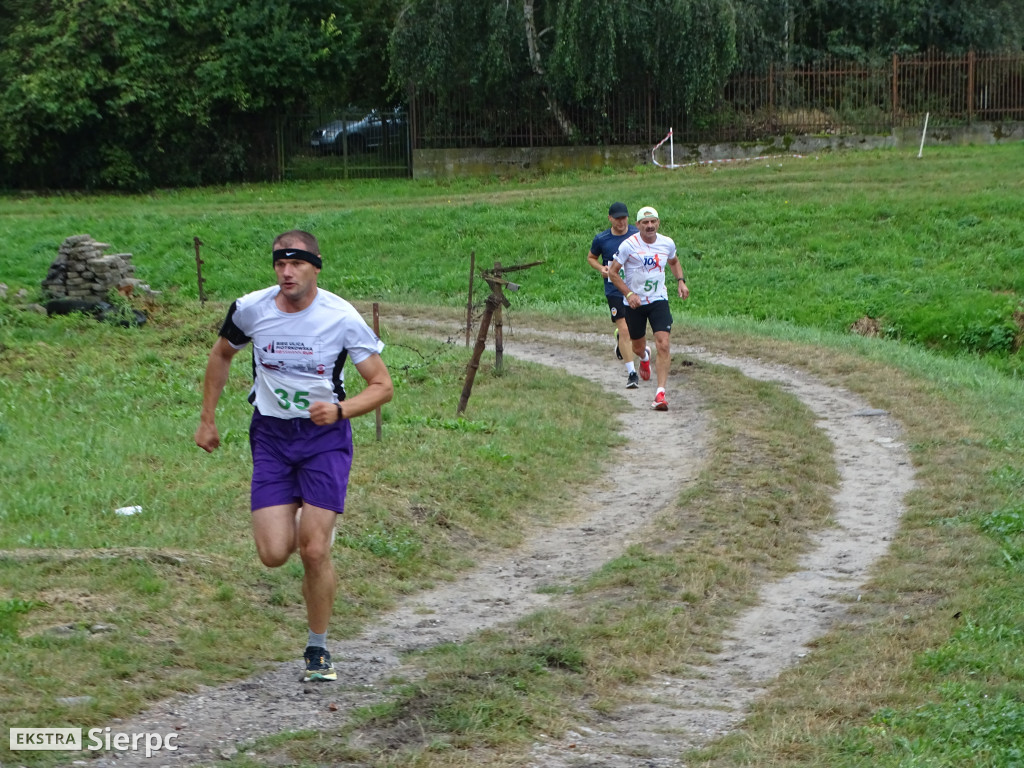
{"x": 616, "y": 306}
{"x": 657, "y": 313}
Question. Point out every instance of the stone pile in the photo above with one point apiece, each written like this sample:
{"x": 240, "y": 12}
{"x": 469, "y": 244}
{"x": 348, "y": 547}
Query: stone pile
{"x": 82, "y": 271}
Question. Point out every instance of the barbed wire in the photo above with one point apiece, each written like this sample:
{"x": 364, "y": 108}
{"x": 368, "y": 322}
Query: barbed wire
{"x": 453, "y": 338}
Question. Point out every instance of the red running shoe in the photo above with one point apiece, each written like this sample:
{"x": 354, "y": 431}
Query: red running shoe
{"x": 660, "y": 403}
{"x": 645, "y": 367}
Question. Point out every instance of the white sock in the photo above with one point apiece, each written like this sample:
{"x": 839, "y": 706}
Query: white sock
{"x": 316, "y": 641}
{"x": 630, "y": 368}
{"x": 646, "y": 357}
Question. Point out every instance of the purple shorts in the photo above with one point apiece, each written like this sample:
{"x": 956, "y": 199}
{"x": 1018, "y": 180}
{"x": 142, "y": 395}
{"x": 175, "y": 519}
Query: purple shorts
{"x": 294, "y": 460}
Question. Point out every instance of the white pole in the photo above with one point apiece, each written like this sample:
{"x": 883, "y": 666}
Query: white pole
{"x": 671, "y": 150}
{"x": 923, "y": 133}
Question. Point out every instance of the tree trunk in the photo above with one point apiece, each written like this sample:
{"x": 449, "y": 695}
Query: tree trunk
{"x": 532, "y": 42}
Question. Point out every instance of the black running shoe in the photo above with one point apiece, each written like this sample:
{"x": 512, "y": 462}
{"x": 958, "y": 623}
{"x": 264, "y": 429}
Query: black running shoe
{"x": 318, "y": 665}
{"x": 632, "y": 380}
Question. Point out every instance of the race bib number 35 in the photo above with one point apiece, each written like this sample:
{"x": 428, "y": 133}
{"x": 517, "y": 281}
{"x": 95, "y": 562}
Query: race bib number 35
{"x": 297, "y": 400}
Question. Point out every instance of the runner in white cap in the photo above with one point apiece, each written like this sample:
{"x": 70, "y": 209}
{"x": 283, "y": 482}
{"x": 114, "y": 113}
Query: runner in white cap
{"x": 645, "y": 258}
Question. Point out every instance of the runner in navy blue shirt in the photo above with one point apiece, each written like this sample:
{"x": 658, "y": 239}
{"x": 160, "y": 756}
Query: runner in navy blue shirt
{"x": 602, "y": 251}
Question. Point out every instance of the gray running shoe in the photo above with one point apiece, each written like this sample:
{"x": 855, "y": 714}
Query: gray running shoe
{"x": 632, "y": 380}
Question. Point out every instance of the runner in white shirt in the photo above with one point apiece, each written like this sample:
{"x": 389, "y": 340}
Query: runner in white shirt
{"x": 645, "y": 260}
{"x": 300, "y": 435}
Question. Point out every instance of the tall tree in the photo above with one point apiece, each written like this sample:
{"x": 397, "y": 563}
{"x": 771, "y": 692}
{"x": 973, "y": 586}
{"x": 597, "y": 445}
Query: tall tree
{"x": 367, "y": 83}
{"x": 107, "y": 93}
{"x": 806, "y": 30}
{"x": 685, "y": 48}
{"x": 588, "y": 54}
{"x": 442, "y": 46}
{"x": 572, "y": 52}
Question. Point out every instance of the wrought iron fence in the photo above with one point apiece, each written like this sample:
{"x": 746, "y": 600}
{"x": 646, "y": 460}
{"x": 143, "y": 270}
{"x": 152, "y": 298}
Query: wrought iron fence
{"x": 960, "y": 89}
{"x": 346, "y": 143}
{"x": 828, "y": 97}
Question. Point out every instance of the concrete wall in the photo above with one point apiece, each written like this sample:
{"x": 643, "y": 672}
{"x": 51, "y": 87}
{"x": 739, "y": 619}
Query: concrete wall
{"x": 439, "y": 163}
{"x": 433, "y": 163}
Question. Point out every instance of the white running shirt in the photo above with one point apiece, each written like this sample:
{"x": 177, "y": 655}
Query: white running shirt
{"x": 644, "y": 265}
{"x": 298, "y": 357}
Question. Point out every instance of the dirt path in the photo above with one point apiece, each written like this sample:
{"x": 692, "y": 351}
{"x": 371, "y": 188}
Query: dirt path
{"x": 667, "y": 715}
{"x": 671, "y": 714}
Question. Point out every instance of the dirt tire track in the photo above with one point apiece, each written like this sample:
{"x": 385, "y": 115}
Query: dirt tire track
{"x": 658, "y": 720}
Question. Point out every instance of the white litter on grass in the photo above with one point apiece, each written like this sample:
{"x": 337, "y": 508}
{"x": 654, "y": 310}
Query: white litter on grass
{"x": 126, "y": 511}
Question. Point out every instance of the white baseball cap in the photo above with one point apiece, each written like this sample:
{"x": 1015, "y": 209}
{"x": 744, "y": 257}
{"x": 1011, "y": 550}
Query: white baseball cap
{"x": 646, "y": 213}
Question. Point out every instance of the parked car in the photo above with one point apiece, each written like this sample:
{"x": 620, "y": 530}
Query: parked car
{"x": 367, "y": 133}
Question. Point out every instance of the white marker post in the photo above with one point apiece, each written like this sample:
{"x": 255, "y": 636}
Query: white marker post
{"x": 923, "y": 134}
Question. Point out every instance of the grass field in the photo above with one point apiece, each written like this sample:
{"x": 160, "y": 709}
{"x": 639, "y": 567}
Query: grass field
{"x": 782, "y": 257}
{"x": 928, "y": 249}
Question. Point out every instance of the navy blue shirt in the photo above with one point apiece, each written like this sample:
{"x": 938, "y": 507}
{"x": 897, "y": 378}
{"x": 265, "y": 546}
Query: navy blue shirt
{"x": 606, "y": 245}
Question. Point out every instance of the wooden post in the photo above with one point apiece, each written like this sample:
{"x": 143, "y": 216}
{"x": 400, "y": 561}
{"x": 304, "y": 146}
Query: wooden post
{"x": 970, "y": 86}
{"x": 199, "y": 272}
{"x": 280, "y": 148}
{"x": 495, "y": 302}
{"x": 469, "y": 301}
{"x": 413, "y": 116}
{"x": 478, "y": 351}
{"x": 895, "y": 88}
{"x": 499, "y": 341}
{"x": 376, "y": 330}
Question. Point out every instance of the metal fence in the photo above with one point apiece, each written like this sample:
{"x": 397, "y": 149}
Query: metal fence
{"x": 828, "y": 97}
{"x": 987, "y": 88}
{"x": 345, "y": 144}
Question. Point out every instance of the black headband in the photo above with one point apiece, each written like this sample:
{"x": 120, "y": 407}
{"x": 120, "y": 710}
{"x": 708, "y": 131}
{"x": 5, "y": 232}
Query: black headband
{"x": 298, "y": 253}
